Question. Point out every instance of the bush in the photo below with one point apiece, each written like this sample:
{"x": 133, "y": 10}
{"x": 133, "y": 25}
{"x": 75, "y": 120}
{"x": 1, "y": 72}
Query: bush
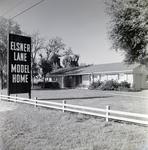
{"x": 52, "y": 85}
{"x": 109, "y": 85}
{"x": 125, "y": 84}
{"x": 94, "y": 85}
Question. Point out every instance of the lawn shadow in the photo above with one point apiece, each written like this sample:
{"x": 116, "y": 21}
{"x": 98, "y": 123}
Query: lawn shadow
{"x": 73, "y": 98}
{"x": 45, "y": 89}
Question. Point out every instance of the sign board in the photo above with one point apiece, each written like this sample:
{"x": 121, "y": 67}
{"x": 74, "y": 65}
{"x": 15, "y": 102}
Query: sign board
{"x": 19, "y": 64}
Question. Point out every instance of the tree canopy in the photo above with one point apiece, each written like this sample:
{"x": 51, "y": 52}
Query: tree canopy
{"x": 128, "y": 29}
{"x": 70, "y": 59}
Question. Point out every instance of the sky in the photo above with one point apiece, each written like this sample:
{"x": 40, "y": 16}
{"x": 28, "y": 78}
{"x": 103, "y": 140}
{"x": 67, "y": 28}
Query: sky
{"x": 82, "y": 25}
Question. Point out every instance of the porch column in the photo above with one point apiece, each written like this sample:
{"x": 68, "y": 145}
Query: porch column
{"x": 62, "y": 85}
{"x": 74, "y": 81}
{"x": 89, "y": 78}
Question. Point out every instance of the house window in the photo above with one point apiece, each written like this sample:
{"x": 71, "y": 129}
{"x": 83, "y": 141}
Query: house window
{"x": 121, "y": 76}
{"x": 113, "y": 77}
{"x": 54, "y": 79}
{"x": 103, "y": 77}
{"x": 85, "y": 77}
{"x": 129, "y": 78}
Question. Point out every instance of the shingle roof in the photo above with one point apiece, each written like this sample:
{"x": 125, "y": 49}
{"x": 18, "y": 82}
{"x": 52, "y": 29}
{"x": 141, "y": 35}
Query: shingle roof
{"x": 101, "y": 68}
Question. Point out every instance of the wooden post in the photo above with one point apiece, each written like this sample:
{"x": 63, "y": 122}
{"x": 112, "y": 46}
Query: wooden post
{"x": 36, "y": 101}
{"x": 64, "y": 102}
{"x": 29, "y": 94}
{"x": 16, "y": 98}
{"x": 1, "y": 96}
{"x": 107, "y": 113}
{"x": 8, "y": 63}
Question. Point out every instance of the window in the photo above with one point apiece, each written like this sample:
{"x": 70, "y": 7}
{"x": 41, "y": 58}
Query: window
{"x": 103, "y": 77}
{"x": 121, "y": 76}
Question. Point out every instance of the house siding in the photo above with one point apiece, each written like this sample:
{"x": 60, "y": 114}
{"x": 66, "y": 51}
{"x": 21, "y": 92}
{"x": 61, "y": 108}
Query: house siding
{"x": 134, "y": 74}
{"x": 140, "y": 77}
{"x": 86, "y": 80}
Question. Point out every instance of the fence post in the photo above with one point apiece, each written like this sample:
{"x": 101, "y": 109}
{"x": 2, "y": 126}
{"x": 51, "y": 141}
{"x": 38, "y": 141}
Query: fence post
{"x": 64, "y": 102}
{"x": 1, "y": 96}
{"x": 16, "y": 98}
{"x": 36, "y": 101}
{"x": 107, "y": 113}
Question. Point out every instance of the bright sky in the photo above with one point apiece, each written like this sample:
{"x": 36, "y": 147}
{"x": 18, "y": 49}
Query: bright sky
{"x": 80, "y": 23}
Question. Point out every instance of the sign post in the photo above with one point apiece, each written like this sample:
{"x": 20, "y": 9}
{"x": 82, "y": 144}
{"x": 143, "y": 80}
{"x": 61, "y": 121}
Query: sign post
{"x": 19, "y": 64}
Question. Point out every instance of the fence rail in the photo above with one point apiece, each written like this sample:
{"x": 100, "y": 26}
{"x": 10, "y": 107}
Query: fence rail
{"x": 105, "y": 113}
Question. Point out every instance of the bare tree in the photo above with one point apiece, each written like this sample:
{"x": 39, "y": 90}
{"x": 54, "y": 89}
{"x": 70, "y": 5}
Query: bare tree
{"x": 54, "y": 46}
{"x": 6, "y": 27}
{"x": 37, "y": 44}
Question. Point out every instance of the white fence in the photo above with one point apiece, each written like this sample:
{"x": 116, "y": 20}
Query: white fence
{"x": 105, "y": 113}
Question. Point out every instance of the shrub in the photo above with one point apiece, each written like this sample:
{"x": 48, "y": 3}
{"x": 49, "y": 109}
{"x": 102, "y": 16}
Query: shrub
{"x": 94, "y": 85}
{"x": 52, "y": 85}
{"x": 82, "y": 86}
{"x": 125, "y": 84}
{"x": 109, "y": 85}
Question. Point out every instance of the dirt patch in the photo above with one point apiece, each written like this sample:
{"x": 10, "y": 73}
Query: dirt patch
{"x": 7, "y": 106}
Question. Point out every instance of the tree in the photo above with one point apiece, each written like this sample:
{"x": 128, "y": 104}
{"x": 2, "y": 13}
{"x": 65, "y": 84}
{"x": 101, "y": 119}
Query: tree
{"x": 35, "y": 71}
{"x": 55, "y": 60}
{"x": 6, "y": 26}
{"x": 54, "y": 50}
{"x": 54, "y": 46}
{"x": 67, "y": 61}
{"x": 37, "y": 43}
{"x": 70, "y": 59}
{"x": 46, "y": 67}
{"x": 128, "y": 29}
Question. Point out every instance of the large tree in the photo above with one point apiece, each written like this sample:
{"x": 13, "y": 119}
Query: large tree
{"x": 46, "y": 67}
{"x": 54, "y": 50}
{"x": 70, "y": 59}
{"x": 54, "y": 46}
{"x": 37, "y": 44}
{"x": 6, "y": 27}
{"x": 128, "y": 28}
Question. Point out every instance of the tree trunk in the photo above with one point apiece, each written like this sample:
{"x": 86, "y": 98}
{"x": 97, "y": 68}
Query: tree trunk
{"x": 44, "y": 81}
{"x": 1, "y": 79}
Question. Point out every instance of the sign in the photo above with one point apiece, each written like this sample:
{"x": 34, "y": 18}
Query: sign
{"x": 19, "y": 64}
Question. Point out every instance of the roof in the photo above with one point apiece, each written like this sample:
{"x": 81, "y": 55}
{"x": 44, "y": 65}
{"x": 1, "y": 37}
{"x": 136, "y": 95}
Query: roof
{"x": 101, "y": 68}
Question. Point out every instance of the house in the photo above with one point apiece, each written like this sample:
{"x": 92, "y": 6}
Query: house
{"x": 136, "y": 75}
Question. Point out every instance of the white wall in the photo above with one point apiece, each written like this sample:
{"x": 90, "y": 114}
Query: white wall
{"x": 140, "y": 73}
{"x": 86, "y": 80}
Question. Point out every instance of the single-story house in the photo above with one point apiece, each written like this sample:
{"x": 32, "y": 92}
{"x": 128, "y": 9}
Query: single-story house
{"x": 136, "y": 75}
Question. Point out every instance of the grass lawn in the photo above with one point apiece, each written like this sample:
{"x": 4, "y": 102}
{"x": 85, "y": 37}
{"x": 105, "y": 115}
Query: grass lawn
{"x": 95, "y": 98}
{"x": 34, "y": 128}
{"x": 30, "y": 128}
